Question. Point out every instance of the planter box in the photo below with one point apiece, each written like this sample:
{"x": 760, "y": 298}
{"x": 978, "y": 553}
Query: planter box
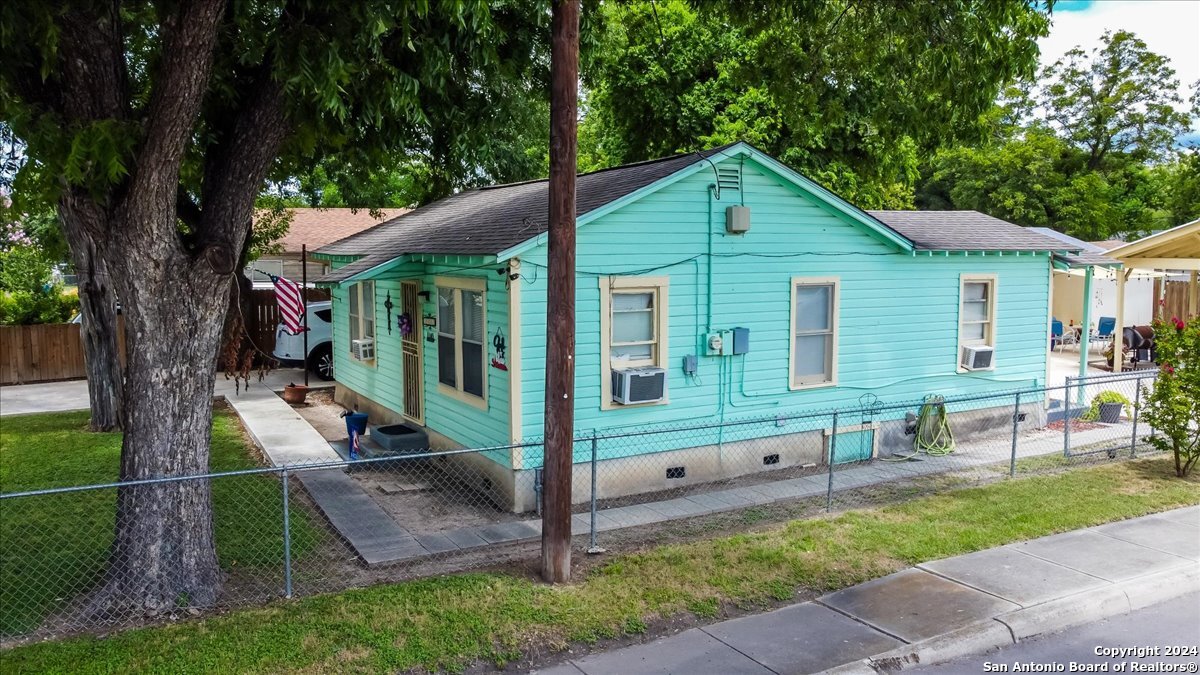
{"x": 1110, "y": 413}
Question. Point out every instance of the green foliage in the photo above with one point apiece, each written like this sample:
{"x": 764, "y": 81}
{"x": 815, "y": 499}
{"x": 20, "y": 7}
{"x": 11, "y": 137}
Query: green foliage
{"x": 1100, "y": 165}
{"x": 1172, "y": 405}
{"x": 29, "y": 291}
{"x": 1119, "y": 98}
{"x": 1108, "y": 396}
{"x": 811, "y": 83}
{"x": 454, "y": 91}
{"x": 23, "y": 308}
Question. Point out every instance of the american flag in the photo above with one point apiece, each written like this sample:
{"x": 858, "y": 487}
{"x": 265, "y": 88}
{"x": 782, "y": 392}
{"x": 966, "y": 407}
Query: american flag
{"x": 291, "y": 303}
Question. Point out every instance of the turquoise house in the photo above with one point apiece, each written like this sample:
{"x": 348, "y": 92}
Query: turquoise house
{"x": 717, "y": 288}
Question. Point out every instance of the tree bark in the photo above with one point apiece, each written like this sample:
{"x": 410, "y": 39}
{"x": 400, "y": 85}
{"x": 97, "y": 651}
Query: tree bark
{"x": 101, "y": 346}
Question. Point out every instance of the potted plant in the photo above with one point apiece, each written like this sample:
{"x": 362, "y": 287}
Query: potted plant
{"x": 294, "y": 394}
{"x": 1107, "y": 407}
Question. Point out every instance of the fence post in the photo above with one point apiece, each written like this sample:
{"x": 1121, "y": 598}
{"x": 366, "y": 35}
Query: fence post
{"x": 1012, "y": 462}
{"x": 287, "y": 541}
{"x": 832, "y": 454}
{"x": 1137, "y": 403}
{"x": 592, "y": 547}
{"x": 1067, "y": 418}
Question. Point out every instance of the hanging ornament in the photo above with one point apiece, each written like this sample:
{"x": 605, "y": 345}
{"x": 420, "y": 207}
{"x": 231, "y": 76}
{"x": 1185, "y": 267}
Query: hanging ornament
{"x": 498, "y": 343}
{"x": 404, "y": 323}
{"x": 387, "y": 303}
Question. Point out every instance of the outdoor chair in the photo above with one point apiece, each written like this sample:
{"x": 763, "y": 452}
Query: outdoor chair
{"x": 1056, "y": 333}
{"x": 1104, "y": 331}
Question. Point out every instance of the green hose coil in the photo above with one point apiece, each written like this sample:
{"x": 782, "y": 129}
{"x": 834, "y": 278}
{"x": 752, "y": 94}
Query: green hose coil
{"x": 934, "y": 437}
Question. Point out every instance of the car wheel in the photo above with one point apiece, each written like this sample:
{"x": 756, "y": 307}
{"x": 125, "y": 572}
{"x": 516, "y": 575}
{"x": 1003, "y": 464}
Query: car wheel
{"x": 321, "y": 362}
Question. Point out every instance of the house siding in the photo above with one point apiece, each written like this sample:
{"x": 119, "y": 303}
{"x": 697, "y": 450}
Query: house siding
{"x": 459, "y": 422}
{"x": 898, "y": 316}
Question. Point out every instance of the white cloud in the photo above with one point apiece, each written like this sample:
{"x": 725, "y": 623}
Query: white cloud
{"x": 1170, "y": 28}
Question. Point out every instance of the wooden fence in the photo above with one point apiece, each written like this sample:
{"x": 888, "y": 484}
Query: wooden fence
{"x": 45, "y": 352}
{"x": 1175, "y": 299}
{"x": 54, "y": 351}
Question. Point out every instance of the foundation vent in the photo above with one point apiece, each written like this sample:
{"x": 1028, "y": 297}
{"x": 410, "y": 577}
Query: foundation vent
{"x": 676, "y": 472}
{"x": 768, "y": 460}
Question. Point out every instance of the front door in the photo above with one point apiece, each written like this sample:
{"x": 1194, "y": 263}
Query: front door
{"x": 410, "y": 346}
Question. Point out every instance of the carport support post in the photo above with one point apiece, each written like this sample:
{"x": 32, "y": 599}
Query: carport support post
{"x": 304, "y": 301}
{"x": 287, "y": 539}
{"x": 1086, "y": 329}
{"x": 1012, "y": 462}
{"x": 560, "y": 298}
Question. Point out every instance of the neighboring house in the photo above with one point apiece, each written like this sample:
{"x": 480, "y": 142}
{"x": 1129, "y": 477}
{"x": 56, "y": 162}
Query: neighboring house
{"x": 440, "y": 319}
{"x": 316, "y": 228}
{"x": 1067, "y": 298}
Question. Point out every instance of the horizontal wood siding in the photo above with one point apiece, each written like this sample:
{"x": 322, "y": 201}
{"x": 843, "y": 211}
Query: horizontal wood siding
{"x": 898, "y": 318}
{"x": 383, "y": 383}
{"x": 460, "y": 421}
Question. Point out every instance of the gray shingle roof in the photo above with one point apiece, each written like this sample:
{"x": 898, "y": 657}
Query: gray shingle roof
{"x": 488, "y": 220}
{"x": 965, "y": 231}
{"x": 1088, "y": 254}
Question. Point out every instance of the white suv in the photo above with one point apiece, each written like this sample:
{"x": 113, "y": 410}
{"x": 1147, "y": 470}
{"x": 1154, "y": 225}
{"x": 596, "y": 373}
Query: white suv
{"x": 289, "y": 349}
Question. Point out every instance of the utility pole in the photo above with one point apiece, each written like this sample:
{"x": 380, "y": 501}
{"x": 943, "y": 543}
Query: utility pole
{"x": 560, "y": 300}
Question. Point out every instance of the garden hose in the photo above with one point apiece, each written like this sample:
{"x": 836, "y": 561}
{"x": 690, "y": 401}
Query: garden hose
{"x": 934, "y": 437}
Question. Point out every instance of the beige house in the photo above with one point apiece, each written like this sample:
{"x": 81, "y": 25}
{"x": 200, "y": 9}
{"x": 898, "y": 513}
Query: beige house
{"x": 316, "y": 228}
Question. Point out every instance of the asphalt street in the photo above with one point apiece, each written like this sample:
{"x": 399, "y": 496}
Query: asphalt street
{"x": 1170, "y": 626}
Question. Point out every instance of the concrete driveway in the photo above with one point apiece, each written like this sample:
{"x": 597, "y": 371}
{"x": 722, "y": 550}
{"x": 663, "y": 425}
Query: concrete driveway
{"x": 73, "y": 395}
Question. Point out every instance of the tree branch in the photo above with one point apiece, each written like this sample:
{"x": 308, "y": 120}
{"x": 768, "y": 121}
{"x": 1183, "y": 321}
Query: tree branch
{"x": 186, "y": 57}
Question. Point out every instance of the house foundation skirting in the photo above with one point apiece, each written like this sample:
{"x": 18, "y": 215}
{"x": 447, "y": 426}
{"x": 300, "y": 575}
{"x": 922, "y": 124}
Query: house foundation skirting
{"x": 654, "y": 471}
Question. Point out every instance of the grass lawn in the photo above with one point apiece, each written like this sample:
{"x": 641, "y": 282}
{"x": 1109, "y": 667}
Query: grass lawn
{"x": 54, "y": 547}
{"x": 448, "y": 622}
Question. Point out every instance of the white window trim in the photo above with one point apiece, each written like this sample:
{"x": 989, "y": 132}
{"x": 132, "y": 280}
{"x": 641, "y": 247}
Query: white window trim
{"x": 657, "y": 285}
{"x": 989, "y": 337}
{"x": 460, "y": 284}
{"x": 357, "y": 288}
{"x": 835, "y": 309}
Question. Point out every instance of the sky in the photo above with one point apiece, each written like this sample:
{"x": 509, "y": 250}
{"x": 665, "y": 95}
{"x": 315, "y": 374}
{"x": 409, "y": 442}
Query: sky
{"x": 1168, "y": 27}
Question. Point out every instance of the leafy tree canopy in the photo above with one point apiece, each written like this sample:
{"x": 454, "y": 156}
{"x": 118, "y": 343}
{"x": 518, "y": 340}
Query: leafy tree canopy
{"x": 850, "y": 93}
{"x": 1090, "y": 150}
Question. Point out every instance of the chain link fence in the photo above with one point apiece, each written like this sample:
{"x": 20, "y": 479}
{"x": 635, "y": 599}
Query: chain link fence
{"x": 304, "y": 529}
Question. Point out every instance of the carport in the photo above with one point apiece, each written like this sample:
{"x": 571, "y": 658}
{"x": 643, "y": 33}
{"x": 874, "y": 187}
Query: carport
{"x": 1175, "y": 249}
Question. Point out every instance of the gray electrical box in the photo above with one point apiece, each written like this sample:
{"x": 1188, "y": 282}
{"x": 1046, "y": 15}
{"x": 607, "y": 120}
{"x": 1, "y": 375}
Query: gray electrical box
{"x": 690, "y": 364}
{"x": 741, "y": 340}
{"x": 737, "y": 219}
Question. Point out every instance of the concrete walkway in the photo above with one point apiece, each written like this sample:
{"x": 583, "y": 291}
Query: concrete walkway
{"x": 393, "y": 544}
{"x": 941, "y": 609}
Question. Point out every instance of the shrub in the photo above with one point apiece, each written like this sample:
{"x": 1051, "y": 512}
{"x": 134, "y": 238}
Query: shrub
{"x": 1108, "y": 396}
{"x": 22, "y": 308}
{"x": 1172, "y": 406}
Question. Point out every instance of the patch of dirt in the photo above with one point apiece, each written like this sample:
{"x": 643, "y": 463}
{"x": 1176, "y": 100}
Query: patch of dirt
{"x": 1076, "y": 425}
{"x": 323, "y": 414}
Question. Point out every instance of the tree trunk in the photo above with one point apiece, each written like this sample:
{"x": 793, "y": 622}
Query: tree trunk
{"x": 101, "y": 347}
{"x": 164, "y": 554}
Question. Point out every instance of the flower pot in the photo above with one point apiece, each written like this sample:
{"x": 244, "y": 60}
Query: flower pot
{"x": 294, "y": 394}
{"x": 1110, "y": 413}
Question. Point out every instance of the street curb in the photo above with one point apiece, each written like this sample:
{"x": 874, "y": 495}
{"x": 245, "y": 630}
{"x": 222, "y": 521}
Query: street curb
{"x": 1048, "y": 617}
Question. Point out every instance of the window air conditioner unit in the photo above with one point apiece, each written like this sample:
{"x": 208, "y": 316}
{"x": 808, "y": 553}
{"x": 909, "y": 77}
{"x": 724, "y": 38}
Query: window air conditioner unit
{"x": 978, "y": 357}
{"x": 639, "y": 385}
{"x": 363, "y": 350}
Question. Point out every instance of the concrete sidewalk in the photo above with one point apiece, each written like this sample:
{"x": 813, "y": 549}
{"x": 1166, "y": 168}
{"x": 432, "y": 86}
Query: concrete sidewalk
{"x": 942, "y": 609}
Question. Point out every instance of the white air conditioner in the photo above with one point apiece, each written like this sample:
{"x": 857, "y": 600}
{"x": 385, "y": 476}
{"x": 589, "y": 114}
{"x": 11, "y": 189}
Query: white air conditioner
{"x": 977, "y": 357}
{"x": 639, "y": 385}
{"x": 363, "y": 350}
